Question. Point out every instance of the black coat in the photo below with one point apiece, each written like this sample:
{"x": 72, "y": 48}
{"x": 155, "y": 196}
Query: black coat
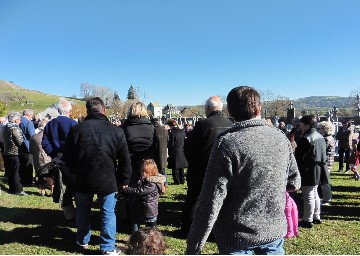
{"x": 140, "y": 137}
{"x": 177, "y": 158}
{"x": 96, "y": 151}
{"x": 199, "y": 143}
{"x": 310, "y": 155}
{"x": 162, "y": 138}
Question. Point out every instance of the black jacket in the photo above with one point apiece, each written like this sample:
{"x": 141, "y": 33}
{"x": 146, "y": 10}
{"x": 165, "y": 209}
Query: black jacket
{"x": 177, "y": 158}
{"x": 97, "y": 152}
{"x": 143, "y": 198}
{"x": 310, "y": 155}
{"x": 199, "y": 143}
{"x": 139, "y": 133}
{"x": 162, "y": 138}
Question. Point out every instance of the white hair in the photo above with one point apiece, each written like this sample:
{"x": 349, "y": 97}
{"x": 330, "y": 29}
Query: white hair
{"x": 214, "y": 104}
{"x": 13, "y": 116}
{"x": 64, "y": 106}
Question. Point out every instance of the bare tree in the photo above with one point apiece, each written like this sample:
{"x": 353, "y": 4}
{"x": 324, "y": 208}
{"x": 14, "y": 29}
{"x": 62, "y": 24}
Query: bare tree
{"x": 85, "y": 90}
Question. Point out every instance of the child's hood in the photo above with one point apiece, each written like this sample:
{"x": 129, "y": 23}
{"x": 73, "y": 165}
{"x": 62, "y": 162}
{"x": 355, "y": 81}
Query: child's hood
{"x": 157, "y": 179}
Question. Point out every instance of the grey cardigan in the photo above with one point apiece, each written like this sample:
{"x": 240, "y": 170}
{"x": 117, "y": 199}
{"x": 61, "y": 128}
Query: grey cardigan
{"x": 243, "y": 196}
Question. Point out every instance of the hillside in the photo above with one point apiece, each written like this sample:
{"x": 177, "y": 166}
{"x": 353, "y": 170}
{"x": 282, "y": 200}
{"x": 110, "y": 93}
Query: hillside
{"x": 18, "y": 98}
{"x": 324, "y": 102}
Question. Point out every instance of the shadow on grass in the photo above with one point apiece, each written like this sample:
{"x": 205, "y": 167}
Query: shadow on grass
{"x": 48, "y": 229}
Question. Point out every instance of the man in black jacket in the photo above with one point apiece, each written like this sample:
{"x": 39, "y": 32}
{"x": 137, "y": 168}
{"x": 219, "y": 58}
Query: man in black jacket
{"x": 197, "y": 149}
{"x": 96, "y": 151}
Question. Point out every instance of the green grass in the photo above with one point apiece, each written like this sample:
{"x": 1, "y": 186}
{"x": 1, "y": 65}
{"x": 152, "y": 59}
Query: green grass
{"x": 18, "y": 98}
{"x": 35, "y": 225}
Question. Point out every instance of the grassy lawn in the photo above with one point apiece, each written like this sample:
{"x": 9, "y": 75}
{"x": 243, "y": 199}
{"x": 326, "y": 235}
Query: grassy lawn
{"x": 35, "y": 225}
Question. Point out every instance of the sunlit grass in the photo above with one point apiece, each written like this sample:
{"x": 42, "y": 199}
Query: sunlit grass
{"x": 35, "y": 225}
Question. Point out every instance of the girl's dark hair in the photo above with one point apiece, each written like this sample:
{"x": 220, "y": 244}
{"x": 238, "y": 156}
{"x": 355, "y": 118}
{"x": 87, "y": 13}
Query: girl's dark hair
{"x": 146, "y": 241}
{"x": 243, "y": 103}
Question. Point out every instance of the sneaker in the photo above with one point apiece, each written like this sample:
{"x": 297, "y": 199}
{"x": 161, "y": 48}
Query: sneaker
{"x": 347, "y": 172}
{"x": 305, "y": 224}
{"x": 82, "y": 246}
{"x": 116, "y": 251}
{"x": 326, "y": 203}
{"x": 317, "y": 222}
{"x": 22, "y": 193}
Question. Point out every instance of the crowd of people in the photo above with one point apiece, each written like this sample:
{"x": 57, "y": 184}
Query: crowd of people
{"x": 242, "y": 173}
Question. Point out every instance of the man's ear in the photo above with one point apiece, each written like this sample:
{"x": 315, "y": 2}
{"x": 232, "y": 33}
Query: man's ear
{"x": 258, "y": 111}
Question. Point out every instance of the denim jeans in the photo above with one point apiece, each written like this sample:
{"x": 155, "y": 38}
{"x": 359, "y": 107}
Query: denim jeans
{"x": 311, "y": 203}
{"x": 273, "y": 248}
{"x": 108, "y": 219}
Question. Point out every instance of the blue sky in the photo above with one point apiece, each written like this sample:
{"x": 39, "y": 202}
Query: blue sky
{"x": 182, "y": 52}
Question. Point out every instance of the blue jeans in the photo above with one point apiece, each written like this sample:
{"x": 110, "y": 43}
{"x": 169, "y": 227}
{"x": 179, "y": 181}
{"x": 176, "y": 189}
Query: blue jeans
{"x": 108, "y": 219}
{"x": 273, "y": 248}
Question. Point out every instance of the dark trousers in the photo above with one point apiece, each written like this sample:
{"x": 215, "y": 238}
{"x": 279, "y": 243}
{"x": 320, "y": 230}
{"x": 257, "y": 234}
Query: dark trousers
{"x": 26, "y": 169}
{"x": 12, "y": 165}
{"x": 187, "y": 214}
{"x": 342, "y": 152}
{"x": 178, "y": 176}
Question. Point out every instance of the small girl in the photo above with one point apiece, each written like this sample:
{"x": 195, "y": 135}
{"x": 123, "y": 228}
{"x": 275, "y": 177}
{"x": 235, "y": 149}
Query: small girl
{"x": 292, "y": 218}
{"x": 354, "y": 159}
{"x": 143, "y": 197}
{"x": 146, "y": 241}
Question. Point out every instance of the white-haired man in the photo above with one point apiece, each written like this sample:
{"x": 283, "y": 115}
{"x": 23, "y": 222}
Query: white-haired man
{"x": 53, "y": 142}
{"x": 197, "y": 151}
{"x": 26, "y": 160}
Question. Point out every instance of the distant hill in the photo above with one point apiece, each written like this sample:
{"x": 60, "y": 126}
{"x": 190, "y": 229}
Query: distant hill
{"x": 324, "y": 102}
{"x": 18, "y": 98}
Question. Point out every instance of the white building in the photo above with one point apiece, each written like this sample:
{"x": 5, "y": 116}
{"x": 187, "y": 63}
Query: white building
{"x": 155, "y": 108}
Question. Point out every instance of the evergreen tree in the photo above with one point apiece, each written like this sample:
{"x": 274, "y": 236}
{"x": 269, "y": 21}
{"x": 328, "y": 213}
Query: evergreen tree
{"x": 131, "y": 93}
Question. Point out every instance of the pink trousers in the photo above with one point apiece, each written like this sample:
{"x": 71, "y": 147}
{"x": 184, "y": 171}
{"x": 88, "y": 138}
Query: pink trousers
{"x": 291, "y": 213}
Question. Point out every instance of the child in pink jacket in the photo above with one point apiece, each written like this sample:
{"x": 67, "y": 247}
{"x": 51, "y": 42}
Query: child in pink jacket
{"x": 291, "y": 213}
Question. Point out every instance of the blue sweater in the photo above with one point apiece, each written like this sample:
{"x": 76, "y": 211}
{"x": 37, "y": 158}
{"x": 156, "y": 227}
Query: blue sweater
{"x": 55, "y": 134}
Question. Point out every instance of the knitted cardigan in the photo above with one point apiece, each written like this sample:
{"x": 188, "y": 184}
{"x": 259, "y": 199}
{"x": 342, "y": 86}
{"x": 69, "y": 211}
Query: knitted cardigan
{"x": 243, "y": 195}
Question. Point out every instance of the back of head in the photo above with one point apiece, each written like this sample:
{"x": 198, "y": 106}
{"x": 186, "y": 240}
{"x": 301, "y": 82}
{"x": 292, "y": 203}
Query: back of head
{"x": 155, "y": 121}
{"x": 43, "y": 123}
{"x": 137, "y": 110}
{"x": 329, "y": 128}
{"x": 28, "y": 112}
{"x": 13, "y": 116}
{"x": 309, "y": 120}
{"x": 64, "y": 106}
{"x": 243, "y": 103}
{"x": 214, "y": 103}
{"x": 95, "y": 105}
{"x": 171, "y": 123}
{"x": 146, "y": 241}
{"x": 149, "y": 167}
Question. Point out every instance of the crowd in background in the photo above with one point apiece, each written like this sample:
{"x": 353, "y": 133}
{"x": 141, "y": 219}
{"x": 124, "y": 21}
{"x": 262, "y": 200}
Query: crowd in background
{"x": 231, "y": 167}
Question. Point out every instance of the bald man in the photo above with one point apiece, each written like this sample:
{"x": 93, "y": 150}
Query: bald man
{"x": 197, "y": 149}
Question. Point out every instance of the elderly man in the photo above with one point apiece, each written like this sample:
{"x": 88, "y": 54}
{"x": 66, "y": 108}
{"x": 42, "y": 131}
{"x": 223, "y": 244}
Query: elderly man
{"x": 96, "y": 151}
{"x": 243, "y": 195}
{"x": 197, "y": 151}
{"x": 53, "y": 142}
{"x": 14, "y": 148}
{"x": 26, "y": 160}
